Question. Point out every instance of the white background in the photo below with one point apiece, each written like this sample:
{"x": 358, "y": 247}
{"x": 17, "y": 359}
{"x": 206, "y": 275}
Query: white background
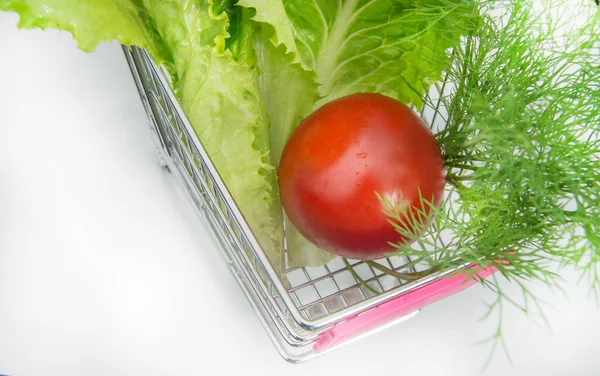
{"x": 105, "y": 268}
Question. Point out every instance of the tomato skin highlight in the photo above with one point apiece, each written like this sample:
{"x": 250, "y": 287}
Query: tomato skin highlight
{"x": 344, "y": 153}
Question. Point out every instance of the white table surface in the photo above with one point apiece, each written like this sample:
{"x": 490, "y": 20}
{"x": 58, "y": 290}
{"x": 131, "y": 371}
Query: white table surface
{"x": 105, "y": 268}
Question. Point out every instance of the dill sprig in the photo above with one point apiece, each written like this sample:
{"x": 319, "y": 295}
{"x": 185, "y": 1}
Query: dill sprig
{"x": 521, "y": 108}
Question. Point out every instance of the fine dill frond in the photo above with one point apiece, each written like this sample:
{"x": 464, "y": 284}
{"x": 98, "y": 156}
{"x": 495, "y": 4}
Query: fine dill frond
{"x": 521, "y": 146}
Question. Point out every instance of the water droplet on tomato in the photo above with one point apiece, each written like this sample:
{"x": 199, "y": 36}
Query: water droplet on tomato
{"x": 359, "y": 184}
{"x": 362, "y": 155}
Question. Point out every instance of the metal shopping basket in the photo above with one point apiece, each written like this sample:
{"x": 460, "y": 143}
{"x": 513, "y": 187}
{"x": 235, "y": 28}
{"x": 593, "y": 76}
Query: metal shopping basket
{"x": 319, "y": 308}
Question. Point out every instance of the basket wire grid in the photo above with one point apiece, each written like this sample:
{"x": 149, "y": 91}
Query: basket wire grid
{"x": 315, "y": 299}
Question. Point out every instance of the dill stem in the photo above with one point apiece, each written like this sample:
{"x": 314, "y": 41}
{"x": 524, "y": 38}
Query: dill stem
{"x": 455, "y": 184}
{"x": 456, "y": 181}
{"x": 399, "y": 275}
{"x": 358, "y": 278}
{"x": 467, "y": 158}
{"x": 439, "y": 102}
{"x": 462, "y": 166}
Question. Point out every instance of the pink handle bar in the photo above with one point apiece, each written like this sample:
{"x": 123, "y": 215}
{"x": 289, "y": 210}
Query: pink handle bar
{"x": 396, "y": 308}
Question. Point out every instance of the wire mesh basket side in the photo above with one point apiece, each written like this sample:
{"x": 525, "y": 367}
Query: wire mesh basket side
{"x": 317, "y": 298}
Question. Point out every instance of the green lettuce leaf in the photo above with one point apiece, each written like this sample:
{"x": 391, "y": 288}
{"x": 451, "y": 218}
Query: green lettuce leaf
{"x": 92, "y": 22}
{"x": 289, "y": 93}
{"x": 273, "y": 12}
{"x": 397, "y": 48}
{"x": 221, "y": 99}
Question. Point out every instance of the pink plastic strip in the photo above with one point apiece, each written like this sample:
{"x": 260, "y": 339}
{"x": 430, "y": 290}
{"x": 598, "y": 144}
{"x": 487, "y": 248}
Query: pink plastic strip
{"x": 396, "y": 308}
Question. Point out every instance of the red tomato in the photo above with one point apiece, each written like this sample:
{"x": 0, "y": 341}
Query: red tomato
{"x": 343, "y": 155}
